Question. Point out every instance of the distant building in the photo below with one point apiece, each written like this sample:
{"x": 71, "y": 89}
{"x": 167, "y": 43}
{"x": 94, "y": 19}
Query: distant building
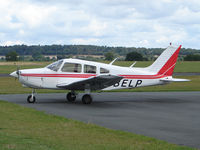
{"x": 51, "y": 56}
{"x": 86, "y": 56}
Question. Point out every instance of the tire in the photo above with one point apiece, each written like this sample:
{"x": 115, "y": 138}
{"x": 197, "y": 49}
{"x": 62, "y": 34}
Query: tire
{"x": 71, "y": 97}
{"x": 87, "y": 99}
{"x": 30, "y": 99}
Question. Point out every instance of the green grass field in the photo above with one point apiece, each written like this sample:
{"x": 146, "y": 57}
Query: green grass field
{"x": 11, "y": 86}
{"x": 8, "y": 67}
{"x": 182, "y": 66}
{"x": 27, "y": 129}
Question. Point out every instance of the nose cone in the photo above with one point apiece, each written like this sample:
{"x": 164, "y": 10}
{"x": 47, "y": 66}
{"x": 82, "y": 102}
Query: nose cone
{"x": 14, "y": 74}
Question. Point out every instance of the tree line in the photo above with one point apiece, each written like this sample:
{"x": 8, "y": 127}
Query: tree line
{"x": 37, "y": 51}
{"x": 84, "y": 49}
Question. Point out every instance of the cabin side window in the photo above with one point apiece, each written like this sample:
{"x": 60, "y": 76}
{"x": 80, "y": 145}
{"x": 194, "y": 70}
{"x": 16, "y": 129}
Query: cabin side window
{"x": 71, "y": 67}
{"x": 90, "y": 69}
{"x": 103, "y": 70}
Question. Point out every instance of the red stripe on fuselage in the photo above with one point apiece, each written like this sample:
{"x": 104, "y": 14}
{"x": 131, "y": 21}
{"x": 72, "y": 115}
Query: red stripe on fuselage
{"x": 59, "y": 75}
{"x": 92, "y": 75}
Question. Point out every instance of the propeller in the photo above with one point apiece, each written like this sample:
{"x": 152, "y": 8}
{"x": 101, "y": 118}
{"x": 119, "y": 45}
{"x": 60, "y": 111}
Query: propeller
{"x": 18, "y": 73}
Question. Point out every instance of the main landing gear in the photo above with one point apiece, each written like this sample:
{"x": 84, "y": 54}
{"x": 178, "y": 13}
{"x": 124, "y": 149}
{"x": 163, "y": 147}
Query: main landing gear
{"x": 31, "y": 98}
{"x": 86, "y": 99}
{"x": 71, "y": 96}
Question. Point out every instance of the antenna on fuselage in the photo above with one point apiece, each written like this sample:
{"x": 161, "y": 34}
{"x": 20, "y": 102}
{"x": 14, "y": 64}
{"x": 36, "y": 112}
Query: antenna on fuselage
{"x": 113, "y": 61}
{"x": 133, "y": 64}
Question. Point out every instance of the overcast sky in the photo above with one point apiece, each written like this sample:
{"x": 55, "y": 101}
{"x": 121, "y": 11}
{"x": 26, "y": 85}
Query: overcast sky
{"x": 138, "y": 23}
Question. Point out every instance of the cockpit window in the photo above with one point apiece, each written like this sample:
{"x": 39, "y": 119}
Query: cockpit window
{"x": 103, "y": 70}
{"x": 55, "y": 66}
{"x": 89, "y": 69}
{"x": 71, "y": 67}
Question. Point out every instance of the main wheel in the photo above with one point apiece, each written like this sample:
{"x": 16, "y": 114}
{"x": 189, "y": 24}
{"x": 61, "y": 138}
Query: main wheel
{"x": 71, "y": 97}
{"x": 87, "y": 99}
{"x": 31, "y": 99}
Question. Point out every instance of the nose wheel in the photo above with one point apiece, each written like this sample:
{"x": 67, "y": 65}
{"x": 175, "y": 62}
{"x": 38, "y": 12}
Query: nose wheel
{"x": 31, "y": 98}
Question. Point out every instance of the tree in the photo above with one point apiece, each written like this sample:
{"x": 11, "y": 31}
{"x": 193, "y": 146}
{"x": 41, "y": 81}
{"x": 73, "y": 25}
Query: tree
{"x": 61, "y": 57}
{"x": 37, "y": 56}
{"x": 11, "y": 56}
{"x": 134, "y": 56}
{"x": 109, "y": 56}
{"x": 192, "y": 58}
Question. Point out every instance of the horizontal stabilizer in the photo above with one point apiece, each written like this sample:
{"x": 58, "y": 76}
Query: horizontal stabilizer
{"x": 174, "y": 80}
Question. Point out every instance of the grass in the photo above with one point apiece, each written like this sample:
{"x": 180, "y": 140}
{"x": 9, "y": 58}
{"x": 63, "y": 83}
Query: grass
{"x": 11, "y": 86}
{"x": 181, "y": 66}
{"x": 24, "y": 128}
{"x": 8, "y": 67}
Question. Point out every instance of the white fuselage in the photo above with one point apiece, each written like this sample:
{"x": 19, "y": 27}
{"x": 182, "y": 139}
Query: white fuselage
{"x": 49, "y": 79}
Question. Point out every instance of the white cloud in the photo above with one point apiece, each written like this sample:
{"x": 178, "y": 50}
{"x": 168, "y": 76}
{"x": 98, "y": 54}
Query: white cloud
{"x": 186, "y": 16}
{"x": 84, "y": 41}
{"x": 8, "y": 43}
{"x": 142, "y": 23}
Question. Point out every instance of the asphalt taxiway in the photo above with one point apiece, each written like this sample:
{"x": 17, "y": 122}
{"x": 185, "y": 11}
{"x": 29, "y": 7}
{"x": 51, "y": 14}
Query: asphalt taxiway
{"x": 169, "y": 116}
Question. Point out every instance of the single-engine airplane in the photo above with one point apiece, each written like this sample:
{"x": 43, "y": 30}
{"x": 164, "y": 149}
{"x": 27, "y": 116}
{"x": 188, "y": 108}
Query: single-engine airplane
{"x": 75, "y": 75}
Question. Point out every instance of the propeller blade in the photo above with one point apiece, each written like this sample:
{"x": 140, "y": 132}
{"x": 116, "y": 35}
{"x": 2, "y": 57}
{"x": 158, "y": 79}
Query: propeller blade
{"x": 18, "y": 72}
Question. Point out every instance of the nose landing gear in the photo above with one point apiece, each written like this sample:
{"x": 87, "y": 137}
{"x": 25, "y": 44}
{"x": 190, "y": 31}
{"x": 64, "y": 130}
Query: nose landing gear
{"x": 31, "y": 98}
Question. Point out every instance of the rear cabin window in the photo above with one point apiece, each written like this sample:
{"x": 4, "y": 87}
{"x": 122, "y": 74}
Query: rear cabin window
{"x": 71, "y": 67}
{"x": 103, "y": 70}
{"x": 89, "y": 69}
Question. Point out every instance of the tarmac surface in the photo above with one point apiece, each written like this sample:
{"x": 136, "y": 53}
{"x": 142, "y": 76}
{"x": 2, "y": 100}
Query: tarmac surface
{"x": 169, "y": 116}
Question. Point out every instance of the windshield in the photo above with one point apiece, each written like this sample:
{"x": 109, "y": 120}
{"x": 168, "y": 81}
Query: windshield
{"x": 55, "y": 66}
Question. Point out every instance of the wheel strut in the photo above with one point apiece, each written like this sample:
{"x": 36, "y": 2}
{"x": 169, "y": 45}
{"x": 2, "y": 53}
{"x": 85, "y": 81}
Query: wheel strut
{"x": 31, "y": 98}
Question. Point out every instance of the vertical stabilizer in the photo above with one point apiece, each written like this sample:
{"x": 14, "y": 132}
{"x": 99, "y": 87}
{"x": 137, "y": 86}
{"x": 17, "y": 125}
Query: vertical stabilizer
{"x": 165, "y": 63}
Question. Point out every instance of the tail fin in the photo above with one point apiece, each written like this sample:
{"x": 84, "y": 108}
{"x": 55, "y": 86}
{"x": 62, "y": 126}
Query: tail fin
{"x": 165, "y": 63}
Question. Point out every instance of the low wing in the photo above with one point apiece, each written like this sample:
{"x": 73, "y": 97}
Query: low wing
{"x": 94, "y": 83}
{"x": 173, "y": 80}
